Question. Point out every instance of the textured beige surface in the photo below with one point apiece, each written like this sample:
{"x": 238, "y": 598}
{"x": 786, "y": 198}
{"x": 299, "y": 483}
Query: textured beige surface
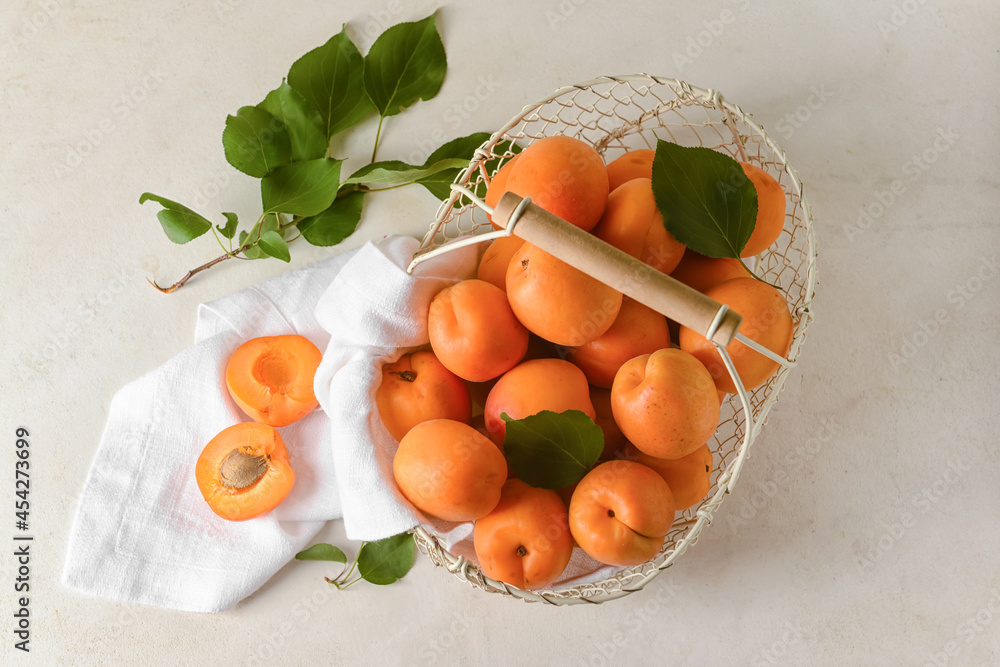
{"x": 864, "y": 528}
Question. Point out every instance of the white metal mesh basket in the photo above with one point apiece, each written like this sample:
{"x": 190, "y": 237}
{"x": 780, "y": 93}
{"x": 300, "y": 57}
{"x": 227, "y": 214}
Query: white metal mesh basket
{"x": 615, "y": 115}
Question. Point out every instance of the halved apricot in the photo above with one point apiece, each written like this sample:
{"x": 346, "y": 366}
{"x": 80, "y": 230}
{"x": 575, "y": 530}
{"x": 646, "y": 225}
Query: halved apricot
{"x": 244, "y": 471}
{"x": 271, "y": 378}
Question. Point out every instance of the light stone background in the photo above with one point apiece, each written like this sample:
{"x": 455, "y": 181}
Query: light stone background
{"x": 847, "y": 541}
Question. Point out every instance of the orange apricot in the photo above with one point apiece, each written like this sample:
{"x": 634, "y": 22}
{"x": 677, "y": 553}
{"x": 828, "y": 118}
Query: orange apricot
{"x": 703, "y": 273}
{"x": 473, "y": 331}
{"x": 766, "y": 321}
{"x": 614, "y": 439}
{"x": 665, "y": 403}
{"x": 417, "y": 388}
{"x": 525, "y": 541}
{"x": 770, "y": 210}
{"x": 449, "y": 470}
{"x": 498, "y": 185}
{"x": 565, "y": 176}
{"x": 689, "y": 477}
{"x": 556, "y": 301}
{"x": 271, "y": 378}
{"x": 632, "y": 223}
{"x": 620, "y": 513}
{"x": 637, "y": 330}
{"x": 496, "y": 259}
{"x": 244, "y": 471}
{"x": 533, "y": 386}
{"x": 634, "y": 164}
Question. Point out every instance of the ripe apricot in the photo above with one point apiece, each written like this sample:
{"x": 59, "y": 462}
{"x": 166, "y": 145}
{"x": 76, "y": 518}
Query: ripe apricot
{"x": 770, "y": 210}
{"x": 525, "y": 541}
{"x": 703, "y": 273}
{"x": 614, "y": 439}
{"x": 689, "y": 477}
{"x": 560, "y": 303}
{"x": 632, "y": 223}
{"x": 620, "y": 513}
{"x": 417, "y": 388}
{"x": 533, "y": 386}
{"x": 766, "y": 321}
{"x": 634, "y": 164}
{"x": 271, "y": 378}
{"x": 496, "y": 259}
{"x": 665, "y": 403}
{"x": 565, "y": 176}
{"x": 244, "y": 471}
{"x": 473, "y": 331}
{"x": 449, "y": 470}
{"x": 637, "y": 330}
{"x": 498, "y": 185}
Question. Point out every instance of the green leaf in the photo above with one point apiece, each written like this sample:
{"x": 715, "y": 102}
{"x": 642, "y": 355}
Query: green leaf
{"x": 229, "y": 230}
{"x": 180, "y": 223}
{"x": 323, "y": 551}
{"x": 331, "y": 78}
{"x": 301, "y": 188}
{"x": 394, "y": 172}
{"x": 256, "y": 142}
{"x": 406, "y": 63}
{"x": 335, "y": 223}
{"x": 305, "y": 127}
{"x": 707, "y": 202}
{"x": 463, "y": 148}
{"x": 552, "y": 450}
{"x": 385, "y": 561}
{"x": 272, "y": 245}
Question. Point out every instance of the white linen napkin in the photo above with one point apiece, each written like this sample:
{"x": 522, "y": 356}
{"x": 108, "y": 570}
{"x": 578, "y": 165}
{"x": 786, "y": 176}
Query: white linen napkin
{"x": 142, "y": 530}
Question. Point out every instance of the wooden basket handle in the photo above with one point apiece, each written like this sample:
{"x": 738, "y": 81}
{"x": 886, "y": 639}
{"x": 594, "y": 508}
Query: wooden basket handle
{"x": 617, "y": 269}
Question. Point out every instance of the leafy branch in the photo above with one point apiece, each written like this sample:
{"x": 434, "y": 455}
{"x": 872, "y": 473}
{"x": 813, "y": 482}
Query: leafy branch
{"x": 380, "y": 562}
{"x": 285, "y": 142}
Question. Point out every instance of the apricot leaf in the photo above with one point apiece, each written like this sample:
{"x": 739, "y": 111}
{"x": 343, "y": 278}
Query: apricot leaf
{"x": 552, "y": 450}
{"x": 179, "y": 223}
{"x": 463, "y": 148}
{"x": 706, "y": 200}
{"x": 331, "y": 78}
{"x": 384, "y": 561}
{"x": 273, "y": 245}
{"x": 229, "y": 230}
{"x": 301, "y": 188}
{"x": 407, "y": 63}
{"x": 305, "y": 127}
{"x": 256, "y": 142}
{"x": 390, "y": 173}
{"x": 323, "y": 551}
{"x": 335, "y": 223}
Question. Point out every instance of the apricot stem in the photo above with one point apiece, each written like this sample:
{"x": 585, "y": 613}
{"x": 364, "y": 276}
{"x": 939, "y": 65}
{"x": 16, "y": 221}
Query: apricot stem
{"x": 406, "y": 376}
{"x": 521, "y": 551}
{"x": 378, "y": 133}
{"x": 229, "y": 255}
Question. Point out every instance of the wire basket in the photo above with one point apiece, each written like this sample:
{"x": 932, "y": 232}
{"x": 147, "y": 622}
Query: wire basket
{"x": 615, "y": 115}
